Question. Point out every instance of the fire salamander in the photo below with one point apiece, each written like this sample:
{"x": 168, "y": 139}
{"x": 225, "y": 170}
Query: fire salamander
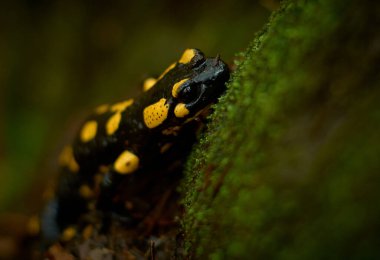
{"x": 122, "y": 157}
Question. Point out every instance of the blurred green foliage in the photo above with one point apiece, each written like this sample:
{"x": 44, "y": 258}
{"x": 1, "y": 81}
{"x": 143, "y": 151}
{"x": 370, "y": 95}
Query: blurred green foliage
{"x": 60, "y": 58}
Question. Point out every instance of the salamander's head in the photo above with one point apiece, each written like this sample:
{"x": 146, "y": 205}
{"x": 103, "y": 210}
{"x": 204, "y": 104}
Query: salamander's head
{"x": 185, "y": 89}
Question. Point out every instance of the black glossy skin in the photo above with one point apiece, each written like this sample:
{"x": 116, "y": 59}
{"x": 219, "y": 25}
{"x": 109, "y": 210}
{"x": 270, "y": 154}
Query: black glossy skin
{"x": 207, "y": 78}
{"x": 206, "y": 84}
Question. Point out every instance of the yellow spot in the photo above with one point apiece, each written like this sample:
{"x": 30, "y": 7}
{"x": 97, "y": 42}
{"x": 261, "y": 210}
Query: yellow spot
{"x": 171, "y": 130}
{"x": 67, "y": 159}
{"x": 165, "y": 147}
{"x": 68, "y": 234}
{"x": 126, "y": 163}
{"x": 113, "y": 123}
{"x": 121, "y": 106}
{"x": 86, "y": 192}
{"x": 149, "y": 83}
{"x": 176, "y": 86}
{"x": 33, "y": 225}
{"x": 88, "y": 131}
{"x": 167, "y": 70}
{"x": 187, "y": 56}
{"x": 101, "y": 109}
{"x": 87, "y": 231}
{"x": 156, "y": 113}
{"x": 180, "y": 110}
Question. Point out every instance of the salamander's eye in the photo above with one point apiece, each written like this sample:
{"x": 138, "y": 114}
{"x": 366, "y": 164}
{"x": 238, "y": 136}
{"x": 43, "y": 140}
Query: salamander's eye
{"x": 189, "y": 93}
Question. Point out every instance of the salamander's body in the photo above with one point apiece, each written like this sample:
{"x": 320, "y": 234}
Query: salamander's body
{"x": 122, "y": 150}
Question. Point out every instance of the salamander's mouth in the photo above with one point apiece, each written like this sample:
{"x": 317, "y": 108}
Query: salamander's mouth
{"x": 200, "y": 99}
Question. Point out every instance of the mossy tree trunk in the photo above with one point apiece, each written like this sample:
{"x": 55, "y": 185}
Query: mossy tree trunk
{"x": 290, "y": 166}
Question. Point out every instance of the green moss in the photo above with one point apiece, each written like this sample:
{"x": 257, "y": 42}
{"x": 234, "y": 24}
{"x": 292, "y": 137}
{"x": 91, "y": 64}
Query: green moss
{"x": 289, "y": 167}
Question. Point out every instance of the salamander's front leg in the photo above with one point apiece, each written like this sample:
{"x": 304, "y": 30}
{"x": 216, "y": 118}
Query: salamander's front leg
{"x": 121, "y": 171}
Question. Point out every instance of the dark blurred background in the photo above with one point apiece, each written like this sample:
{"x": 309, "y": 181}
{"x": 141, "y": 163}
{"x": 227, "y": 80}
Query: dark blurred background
{"x": 60, "y": 58}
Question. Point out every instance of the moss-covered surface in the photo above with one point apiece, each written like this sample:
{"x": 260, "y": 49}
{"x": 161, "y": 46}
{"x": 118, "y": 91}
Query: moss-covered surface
{"x": 290, "y": 166}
